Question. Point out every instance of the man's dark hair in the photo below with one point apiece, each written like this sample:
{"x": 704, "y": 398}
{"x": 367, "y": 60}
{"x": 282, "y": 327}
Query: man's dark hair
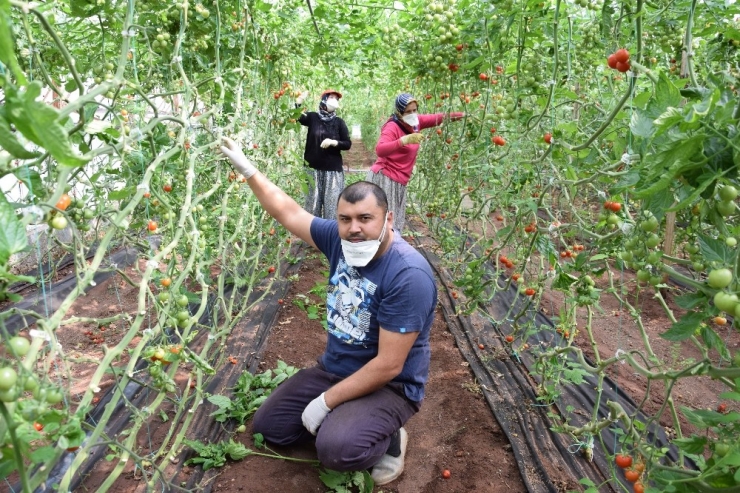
{"x": 360, "y": 190}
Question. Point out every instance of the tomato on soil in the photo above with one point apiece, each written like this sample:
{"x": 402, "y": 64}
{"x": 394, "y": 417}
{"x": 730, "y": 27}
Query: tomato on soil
{"x": 446, "y": 474}
{"x": 722, "y": 408}
{"x": 481, "y": 346}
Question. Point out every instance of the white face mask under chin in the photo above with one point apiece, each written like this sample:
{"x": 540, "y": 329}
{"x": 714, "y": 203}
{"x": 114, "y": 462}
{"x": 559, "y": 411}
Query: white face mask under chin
{"x": 360, "y": 253}
{"x": 412, "y": 119}
{"x": 332, "y": 104}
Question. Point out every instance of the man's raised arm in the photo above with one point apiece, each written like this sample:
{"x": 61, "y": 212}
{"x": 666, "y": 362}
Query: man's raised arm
{"x": 276, "y": 202}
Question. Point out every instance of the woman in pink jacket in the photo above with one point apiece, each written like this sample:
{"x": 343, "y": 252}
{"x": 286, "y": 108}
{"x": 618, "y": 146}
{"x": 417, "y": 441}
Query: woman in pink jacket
{"x": 397, "y": 148}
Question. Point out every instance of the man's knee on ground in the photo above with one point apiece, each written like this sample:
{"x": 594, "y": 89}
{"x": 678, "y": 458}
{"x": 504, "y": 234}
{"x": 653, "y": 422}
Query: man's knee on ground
{"x": 343, "y": 454}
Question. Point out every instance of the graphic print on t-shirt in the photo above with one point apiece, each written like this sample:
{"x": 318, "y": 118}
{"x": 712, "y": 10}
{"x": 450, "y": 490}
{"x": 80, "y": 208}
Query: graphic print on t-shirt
{"x": 348, "y": 303}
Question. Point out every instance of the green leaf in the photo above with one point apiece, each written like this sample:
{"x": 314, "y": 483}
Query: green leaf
{"x": 690, "y": 300}
{"x": 474, "y": 63}
{"x": 30, "y": 178}
{"x": 713, "y": 341}
{"x": 12, "y": 234}
{"x": 38, "y": 123}
{"x": 641, "y": 125}
{"x": 667, "y": 120}
{"x": 659, "y": 202}
{"x": 703, "y": 419}
{"x": 563, "y": 281}
{"x": 10, "y": 143}
{"x": 733, "y": 396}
{"x": 7, "y": 46}
{"x": 691, "y": 445}
{"x": 665, "y": 95}
{"x": 684, "y": 328}
{"x": 715, "y": 250}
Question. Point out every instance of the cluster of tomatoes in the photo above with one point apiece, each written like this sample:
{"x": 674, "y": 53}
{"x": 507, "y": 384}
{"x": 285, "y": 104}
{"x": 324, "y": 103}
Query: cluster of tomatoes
{"x": 98, "y": 338}
{"x": 612, "y": 206}
{"x": 631, "y": 473}
{"x": 619, "y": 60}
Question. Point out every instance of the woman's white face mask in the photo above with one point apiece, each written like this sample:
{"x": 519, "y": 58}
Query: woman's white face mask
{"x": 332, "y": 104}
{"x": 360, "y": 253}
{"x": 412, "y": 119}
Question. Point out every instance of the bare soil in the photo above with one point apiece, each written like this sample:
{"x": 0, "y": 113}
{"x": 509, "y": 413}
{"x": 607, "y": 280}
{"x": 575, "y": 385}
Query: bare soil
{"x": 455, "y": 428}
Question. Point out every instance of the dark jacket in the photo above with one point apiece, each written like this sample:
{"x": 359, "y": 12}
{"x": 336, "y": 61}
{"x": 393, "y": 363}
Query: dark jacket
{"x": 329, "y": 159}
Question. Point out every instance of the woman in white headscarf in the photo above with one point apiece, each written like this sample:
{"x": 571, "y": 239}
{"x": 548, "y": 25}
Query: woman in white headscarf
{"x": 397, "y": 148}
{"x": 327, "y": 136}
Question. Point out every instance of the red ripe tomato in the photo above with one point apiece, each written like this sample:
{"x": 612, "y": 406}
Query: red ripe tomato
{"x": 622, "y": 55}
{"x": 612, "y": 61}
{"x": 547, "y": 138}
{"x": 38, "y": 426}
{"x": 498, "y": 140}
{"x": 722, "y": 408}
{"x": 483, "y": 76}
{"x": 453, "y": 67}
{"x": 631, "y": 475}
{"x": 271, "y": 269}
{"x": 623, "y": 461}
{"x": 493, "y": 130}
{"x": 529, "y": 291}
{"x": 623, "y": 66}
{"x": 615, "y": 207}
{"x": 152, "y": 225}
{"x": 639, "y": 488}
{"x": 459, "y": 47}
{"x": 167, "y": 187}
{"x": 509, "y": 338}
{"x": 446, "y": 474}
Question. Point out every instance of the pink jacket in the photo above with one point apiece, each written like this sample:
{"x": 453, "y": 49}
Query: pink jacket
{"x": 395, "y": 160}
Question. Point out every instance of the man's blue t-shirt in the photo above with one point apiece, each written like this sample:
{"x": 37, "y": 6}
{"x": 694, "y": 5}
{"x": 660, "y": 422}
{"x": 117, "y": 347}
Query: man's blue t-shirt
{"x": 396, "y": 291}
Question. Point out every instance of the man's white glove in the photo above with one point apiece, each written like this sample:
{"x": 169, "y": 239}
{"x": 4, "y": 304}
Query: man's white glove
{"x": 301, "y": 98}
{"x": 231, "y": 150}
{"x": 314, "y": 414}
{"x": 415, "y": 138}
{"x": 328, "y": 142}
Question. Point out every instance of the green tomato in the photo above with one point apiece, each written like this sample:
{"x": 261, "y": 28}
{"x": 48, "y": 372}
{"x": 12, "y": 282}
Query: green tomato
{"x": 731, "y": 241}
{"x": 736, "y": 358}
{"x": 182, "y": 315}
{"x": 652, "y": 241}
{"x": 721, "y": 449}
{"x": 726, "y": 208}
{"x": 19, "y": 345}
{"x": 8, "y": 377}
{"x": 725, "y": 301}
{"x": 649, "y": 225}
{"x": 697, "y": 266}
{"x": 643, "y": 275}
{"x": 10, "y": 395}
{"x": 182, "y": 300}
{"x": 692, "y": 249}
{"x": 719, "y": 278}
{"x": 59, "y": 222}
{"x": 728, "y": 193}
{"x": 612, "y": 219}
{"x": 653, "y": 258}
{"x": 163, "y": 297}
{"x": 30, "y": 383}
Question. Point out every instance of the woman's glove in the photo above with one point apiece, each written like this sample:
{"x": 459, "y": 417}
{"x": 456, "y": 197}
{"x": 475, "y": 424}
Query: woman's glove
{"x": 415, "y": 138}
{"x": 301, "y": 98}
{"x": 241, "y": 163}
{"x": 314, "y": 414}
{"x": 328, "y": 142}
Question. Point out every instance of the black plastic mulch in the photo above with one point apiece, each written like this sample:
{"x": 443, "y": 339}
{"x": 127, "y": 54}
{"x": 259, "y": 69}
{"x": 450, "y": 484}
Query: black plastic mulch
{"x": 548, "y": 461}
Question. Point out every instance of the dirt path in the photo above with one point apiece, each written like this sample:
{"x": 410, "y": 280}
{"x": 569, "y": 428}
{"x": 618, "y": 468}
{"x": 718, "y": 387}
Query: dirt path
{"x": 454, "y": 430}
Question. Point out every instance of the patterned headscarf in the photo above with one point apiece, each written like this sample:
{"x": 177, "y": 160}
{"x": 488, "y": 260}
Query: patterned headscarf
{"x": 402, "y": 102}
{"x": 324, "y": 113}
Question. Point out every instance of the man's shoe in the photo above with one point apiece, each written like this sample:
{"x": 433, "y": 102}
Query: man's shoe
{"x": 389, "y": 468}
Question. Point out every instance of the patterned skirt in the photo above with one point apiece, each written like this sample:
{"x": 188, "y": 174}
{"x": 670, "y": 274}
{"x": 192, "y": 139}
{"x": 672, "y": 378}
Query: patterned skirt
{"x": 396, "y": 197}
{"x": 324, "y": 188}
